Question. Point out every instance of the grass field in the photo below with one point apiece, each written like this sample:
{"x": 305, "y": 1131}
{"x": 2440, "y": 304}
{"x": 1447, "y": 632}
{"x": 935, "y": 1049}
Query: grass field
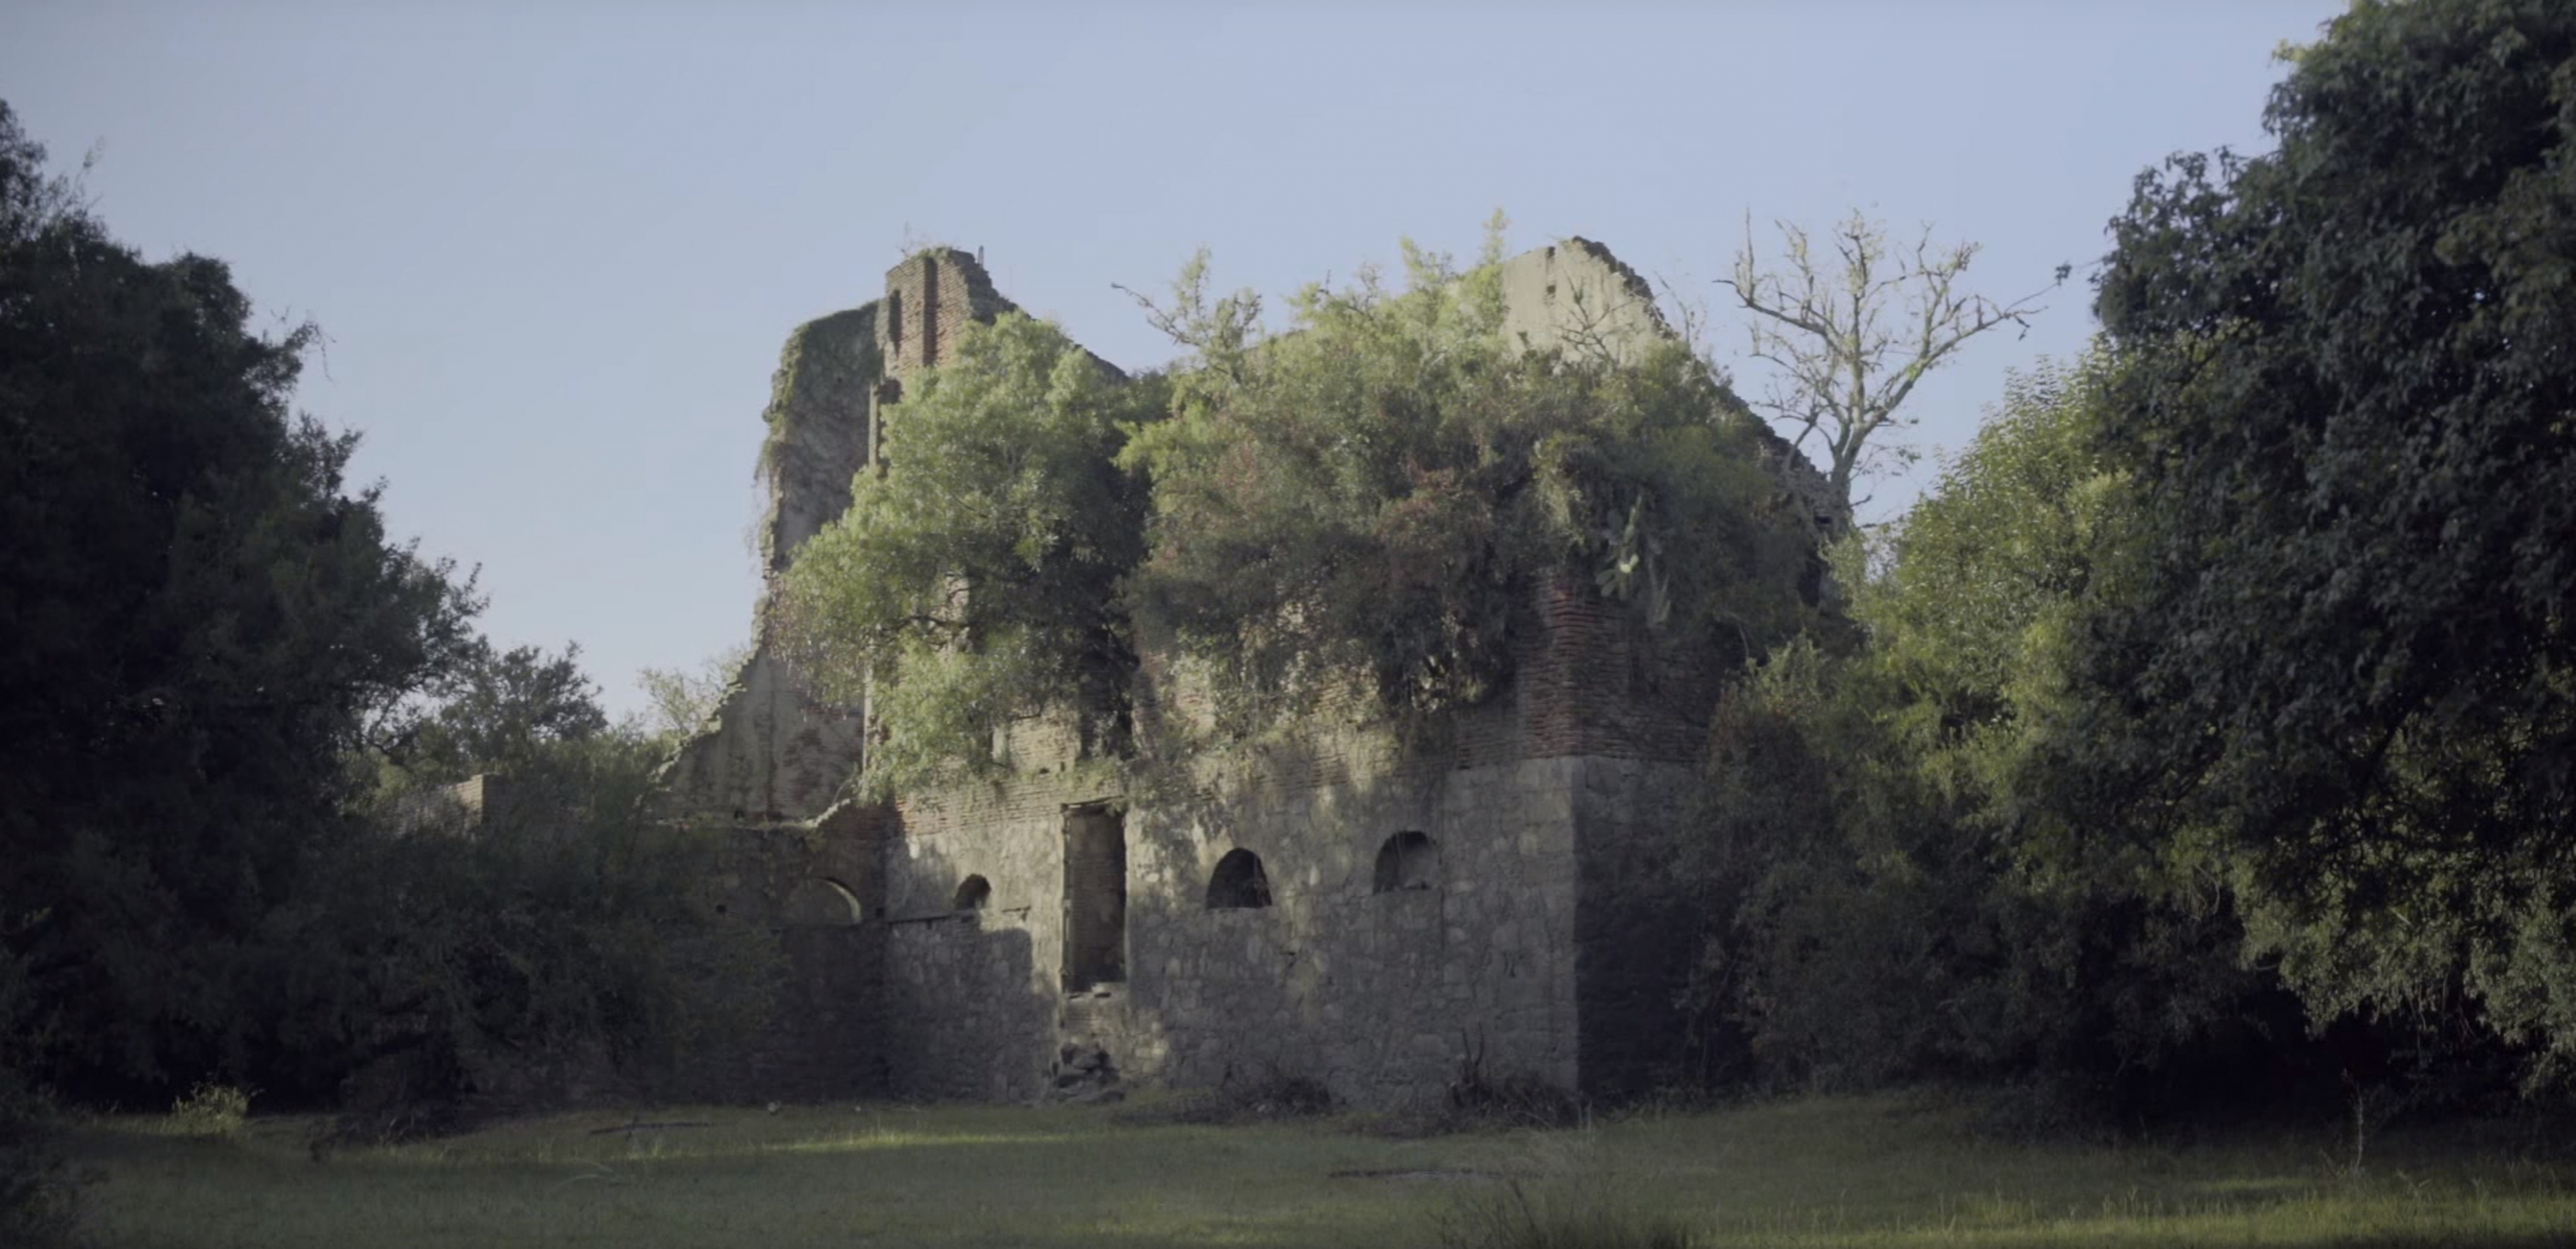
{"x": 1819, "y": 1172}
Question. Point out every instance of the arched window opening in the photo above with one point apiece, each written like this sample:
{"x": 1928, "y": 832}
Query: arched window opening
{"x": 820, "y": 902}
{"x": 1408, "y": 860}
{"x": 972, "y": 894}
{"x": 1238, "y": 882}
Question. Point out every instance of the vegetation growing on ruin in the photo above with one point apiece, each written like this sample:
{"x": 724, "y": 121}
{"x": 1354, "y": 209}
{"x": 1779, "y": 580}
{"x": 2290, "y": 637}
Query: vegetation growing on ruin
{"x": 977, "y": 580}
{"x": 833, "y": 356}
{"x": 1368, "y": 500}
{"x": 1363, "y": 504}
{"x": 2205, "y": 738}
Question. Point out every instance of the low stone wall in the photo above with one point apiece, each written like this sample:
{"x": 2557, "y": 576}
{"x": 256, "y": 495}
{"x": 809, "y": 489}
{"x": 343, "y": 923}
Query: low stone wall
{"x": 822, "y": 1042}
{"x": 966, "y": 1016}
{"x": 1378, "y": 995}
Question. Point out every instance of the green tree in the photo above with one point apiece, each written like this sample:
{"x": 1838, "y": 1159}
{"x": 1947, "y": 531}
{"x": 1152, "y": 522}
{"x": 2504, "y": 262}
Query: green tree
{"x": 499, "y": 711}
{"x": 977, "y": 579}
{"x": 2347, "y": 420}
{"x": 558, "y": 938}
{"x": 563, "y": 941}
{"x": 198, "y": 626}
{"x": 1365, "y": 503}
{"x": 1888, "y": 905}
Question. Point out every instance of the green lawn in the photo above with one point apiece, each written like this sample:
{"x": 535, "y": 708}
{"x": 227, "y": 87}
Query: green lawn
{"x": 1878, "y": 1172}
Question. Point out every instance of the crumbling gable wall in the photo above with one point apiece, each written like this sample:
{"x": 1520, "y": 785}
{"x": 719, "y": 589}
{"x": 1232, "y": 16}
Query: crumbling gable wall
{"x": 774, "y": 749}
{"x": 1577, "y": 297}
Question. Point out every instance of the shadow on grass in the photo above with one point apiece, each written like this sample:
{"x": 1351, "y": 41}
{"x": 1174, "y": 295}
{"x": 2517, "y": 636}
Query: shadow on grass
{"x": 2449, "y": 1240}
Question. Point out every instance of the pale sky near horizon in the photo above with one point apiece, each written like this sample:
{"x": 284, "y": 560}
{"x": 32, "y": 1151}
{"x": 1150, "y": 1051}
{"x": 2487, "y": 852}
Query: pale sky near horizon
{"x": 556, "y": 246}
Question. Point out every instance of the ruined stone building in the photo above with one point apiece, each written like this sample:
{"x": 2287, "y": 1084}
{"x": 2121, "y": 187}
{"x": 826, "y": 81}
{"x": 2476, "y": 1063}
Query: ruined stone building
{"x": 1346, "y": 909}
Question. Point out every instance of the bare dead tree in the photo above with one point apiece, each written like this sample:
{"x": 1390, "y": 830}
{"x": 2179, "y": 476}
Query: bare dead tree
{"x": 1849, "y": 335}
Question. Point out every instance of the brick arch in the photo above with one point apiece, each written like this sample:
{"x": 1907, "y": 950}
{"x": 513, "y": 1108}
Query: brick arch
{"x": 821, "y": 902}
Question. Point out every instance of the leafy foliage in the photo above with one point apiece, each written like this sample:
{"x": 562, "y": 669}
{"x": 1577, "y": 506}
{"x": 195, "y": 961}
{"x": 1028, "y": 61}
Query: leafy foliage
{"x": 1364, "y": 504}
{"x": 977, "y": 581}
{"x": 561, "y": 944}
{"x": 1360, "y": 507}
{"x": 2230, "y": 663}
{"x": 498, "y": 711}
{"x": 1891, "y": 908}
{"x": 197, "y": 626}
{"x": 2348, "y": 654}
{"x": 213, "y": 669}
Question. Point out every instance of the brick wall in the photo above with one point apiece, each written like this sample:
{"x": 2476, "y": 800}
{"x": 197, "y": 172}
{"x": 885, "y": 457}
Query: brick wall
{"x": 929, "y": 299}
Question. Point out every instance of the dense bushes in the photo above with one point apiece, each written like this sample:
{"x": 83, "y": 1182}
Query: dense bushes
{"x": 563, "y": 947}
{"x": 199, "y": 627}
{"x": 1364, "y": 502}
{"x": 2209, "y": 735}
{"x": 219, "y": 681}
{"x": 1890, "y": 905}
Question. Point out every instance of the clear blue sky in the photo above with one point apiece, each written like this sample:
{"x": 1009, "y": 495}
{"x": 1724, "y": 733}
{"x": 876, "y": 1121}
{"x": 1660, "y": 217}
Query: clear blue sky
{"x": 556, "y": 245}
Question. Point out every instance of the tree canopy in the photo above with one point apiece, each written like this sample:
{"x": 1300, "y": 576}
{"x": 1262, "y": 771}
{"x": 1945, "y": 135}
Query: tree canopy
{"x": 1367, "y": 499}
{"x": 2347, "y": 417}
{"x": 976, "y": 580}
{"x": 1850, "y": 336}
{"x": 198, "y": 623}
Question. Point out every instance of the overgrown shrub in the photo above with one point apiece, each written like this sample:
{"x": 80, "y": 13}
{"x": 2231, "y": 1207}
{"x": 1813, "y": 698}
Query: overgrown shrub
{"x": 563, "y": 949}
{"x": 1354, "y": 511}
{"x": 211, "y": 1109}
{"x": 1363, "y": 504}
{"x": 1887, "y": 902}
{"x": 39, "y": 1190}
{"x": 979, "y": 580}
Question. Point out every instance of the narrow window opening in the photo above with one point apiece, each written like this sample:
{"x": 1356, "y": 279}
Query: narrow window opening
{"x": 1095, "y": 898}
{"x": 1408, "y": 860}
{"x": 1238, "y": 882}
{"x": 929, "y": 311}
{"x": 973, "y": 893}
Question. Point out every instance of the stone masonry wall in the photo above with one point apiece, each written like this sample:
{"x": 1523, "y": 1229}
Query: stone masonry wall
{"x": 775, "y": 750}
{"x": 1379, "y": 995}
{"x": 807, "y": 886}
{"x": 972, "y": 996}
{"x": 1578, "y": 297}
{"x": 1535, "y": 933}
